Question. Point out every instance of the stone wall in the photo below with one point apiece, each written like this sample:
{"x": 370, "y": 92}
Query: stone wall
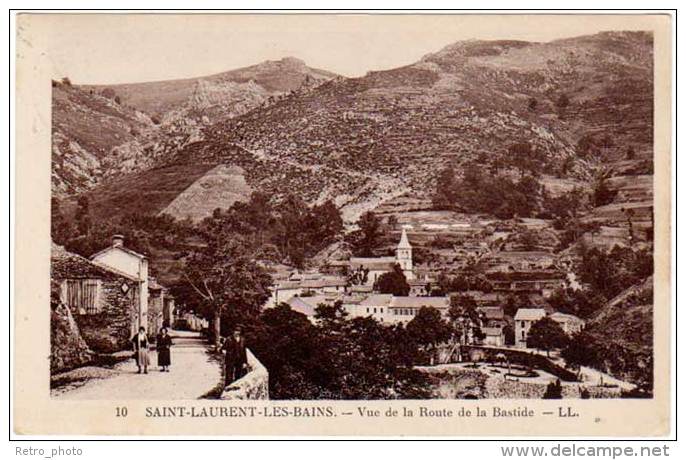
{"x": 110, "y": 330}
{"x": 155, "y": 314}
{"x": 68, "y": 350}
{"x": 253, "y": 385}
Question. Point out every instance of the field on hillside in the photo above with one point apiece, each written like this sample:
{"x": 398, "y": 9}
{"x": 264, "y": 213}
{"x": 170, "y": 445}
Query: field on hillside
{"x": 147, "y": 192}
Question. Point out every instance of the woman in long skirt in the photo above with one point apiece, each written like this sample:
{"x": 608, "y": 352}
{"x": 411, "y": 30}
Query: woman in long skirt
{"x": 164, "y": 343}
{"x": 140, "y": 348}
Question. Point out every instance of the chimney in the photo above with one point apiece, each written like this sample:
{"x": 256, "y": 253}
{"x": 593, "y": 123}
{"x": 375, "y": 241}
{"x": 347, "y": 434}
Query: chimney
{"x": 117, "y": 241}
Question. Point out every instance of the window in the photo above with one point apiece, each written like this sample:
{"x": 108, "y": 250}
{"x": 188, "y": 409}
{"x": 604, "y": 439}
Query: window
{"x": 82, "y": 296}
{"x": 374, "y": 310}
{"x": 381, "y": 310}
{"x": 522, "y": 323}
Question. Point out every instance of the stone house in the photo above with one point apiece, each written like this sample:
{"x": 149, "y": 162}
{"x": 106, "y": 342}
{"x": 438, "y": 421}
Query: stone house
{"x": 493, "y": 336}
{"x": 305, "y": 284}
{"x": 120, "y": 259}
{"x": 524, "y": 319}
{"x": 492, "y": 316}
{"x": 569, "y": 323}
{"x": 103, "y": 302}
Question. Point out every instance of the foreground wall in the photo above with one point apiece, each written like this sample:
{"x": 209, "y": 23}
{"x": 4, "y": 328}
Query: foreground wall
{"x": 253, "y": 385}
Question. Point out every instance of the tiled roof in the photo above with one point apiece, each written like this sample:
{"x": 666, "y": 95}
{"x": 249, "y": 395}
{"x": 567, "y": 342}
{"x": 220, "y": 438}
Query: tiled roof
{"x": 308, "y": 305}
{"x": 373, "y": 263}
{"x": 376, "y": 300}
{"x": 391, "y": 301}
{"x": 565, "y": 317}
{"x": 67, "y": 265}
{"x": 529, "y": 314}
{"x": 417, "y": 302}
{"x": 122, "y": 248}
{"x": 492, "y": 331}
{"x": 492, "y": 312}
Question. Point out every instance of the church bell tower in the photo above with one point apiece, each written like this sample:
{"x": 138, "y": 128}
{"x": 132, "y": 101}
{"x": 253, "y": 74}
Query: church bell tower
{"x": 403, "y": 256}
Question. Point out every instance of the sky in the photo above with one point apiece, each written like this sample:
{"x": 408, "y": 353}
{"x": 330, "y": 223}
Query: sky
{"x": 110, "y": 48}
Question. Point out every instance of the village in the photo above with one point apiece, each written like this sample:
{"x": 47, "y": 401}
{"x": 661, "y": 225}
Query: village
{"x": 100, "y": 302}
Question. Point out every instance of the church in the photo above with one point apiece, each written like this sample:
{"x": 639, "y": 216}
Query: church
{"x": 377, "y": 266}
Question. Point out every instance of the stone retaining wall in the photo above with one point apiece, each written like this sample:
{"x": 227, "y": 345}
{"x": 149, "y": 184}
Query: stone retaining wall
{"x": 253, "y": 385}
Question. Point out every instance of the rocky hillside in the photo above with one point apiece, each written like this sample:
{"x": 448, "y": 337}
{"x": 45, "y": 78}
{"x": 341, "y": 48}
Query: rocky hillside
{"x": 363, "y": 141}
{"x": 106, "y": 132}
{"x": 87, "y": 129}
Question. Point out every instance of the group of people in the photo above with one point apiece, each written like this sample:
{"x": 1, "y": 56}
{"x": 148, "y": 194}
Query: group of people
{"x": 233, "y": 348}
{"x": 141, "y": 345}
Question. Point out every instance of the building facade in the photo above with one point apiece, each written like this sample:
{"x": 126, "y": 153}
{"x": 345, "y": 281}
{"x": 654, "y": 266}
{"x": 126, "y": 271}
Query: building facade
{"x": 524, "y": 319}
{"x": 121, "y": 259}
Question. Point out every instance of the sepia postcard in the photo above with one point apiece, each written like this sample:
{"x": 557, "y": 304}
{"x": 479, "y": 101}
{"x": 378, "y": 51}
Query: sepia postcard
{"x": 343, "y": 224}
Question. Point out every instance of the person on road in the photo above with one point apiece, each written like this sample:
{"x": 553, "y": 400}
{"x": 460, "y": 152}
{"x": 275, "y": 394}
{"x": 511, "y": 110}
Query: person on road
{"x": 164, "y": 343}
{"x": 140, "y": 348}
{"x": 235, "y": 358}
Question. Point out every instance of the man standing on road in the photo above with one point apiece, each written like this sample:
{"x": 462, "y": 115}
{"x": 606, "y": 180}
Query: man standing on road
{"x": 235, "y": 358}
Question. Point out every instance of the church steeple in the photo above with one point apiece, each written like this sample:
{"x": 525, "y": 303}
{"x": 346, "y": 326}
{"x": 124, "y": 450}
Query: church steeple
{"x": 403, "y": 255}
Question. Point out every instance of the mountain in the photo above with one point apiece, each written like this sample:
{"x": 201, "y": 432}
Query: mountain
{"x": 102, "y": 132}
{"x": 244, "y": 88}
{"x": 365, "y": 141}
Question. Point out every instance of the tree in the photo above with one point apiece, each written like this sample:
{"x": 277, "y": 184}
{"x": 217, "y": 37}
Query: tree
{"x": 288, "y": 344}
{"x": 83, "y": 218}
{"x": 325, "y": 222}
{"x": 428, "y": 328}
{"x": 533, "y": 104}
{"x": 553, "y": 390}
{"x": 66, "y": 81}
{"x": 445, "y": 194}
{"x": 369, "y": 233}
{"x": 357, "y": 276}
{"x": 60, "y": 228}
{"x": 547, "y": 335}
{"x": 463, "y": 306}
{"x": 603, "y": 195}
{"x": 529, "y": 239}
{"x": 580, "y": 302}
{"x": 509, "y": 333}
{"x": 231, "y": 285}
{"x": 562, "y": 103}
{"x": 393, "y": 282}
{"x": 581, "y": 350}
{"x": 514, "y": 302}
{"x": 464, "y": 317}
{"x": 610, "y": 272}
{"x": 336, "y": 357}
